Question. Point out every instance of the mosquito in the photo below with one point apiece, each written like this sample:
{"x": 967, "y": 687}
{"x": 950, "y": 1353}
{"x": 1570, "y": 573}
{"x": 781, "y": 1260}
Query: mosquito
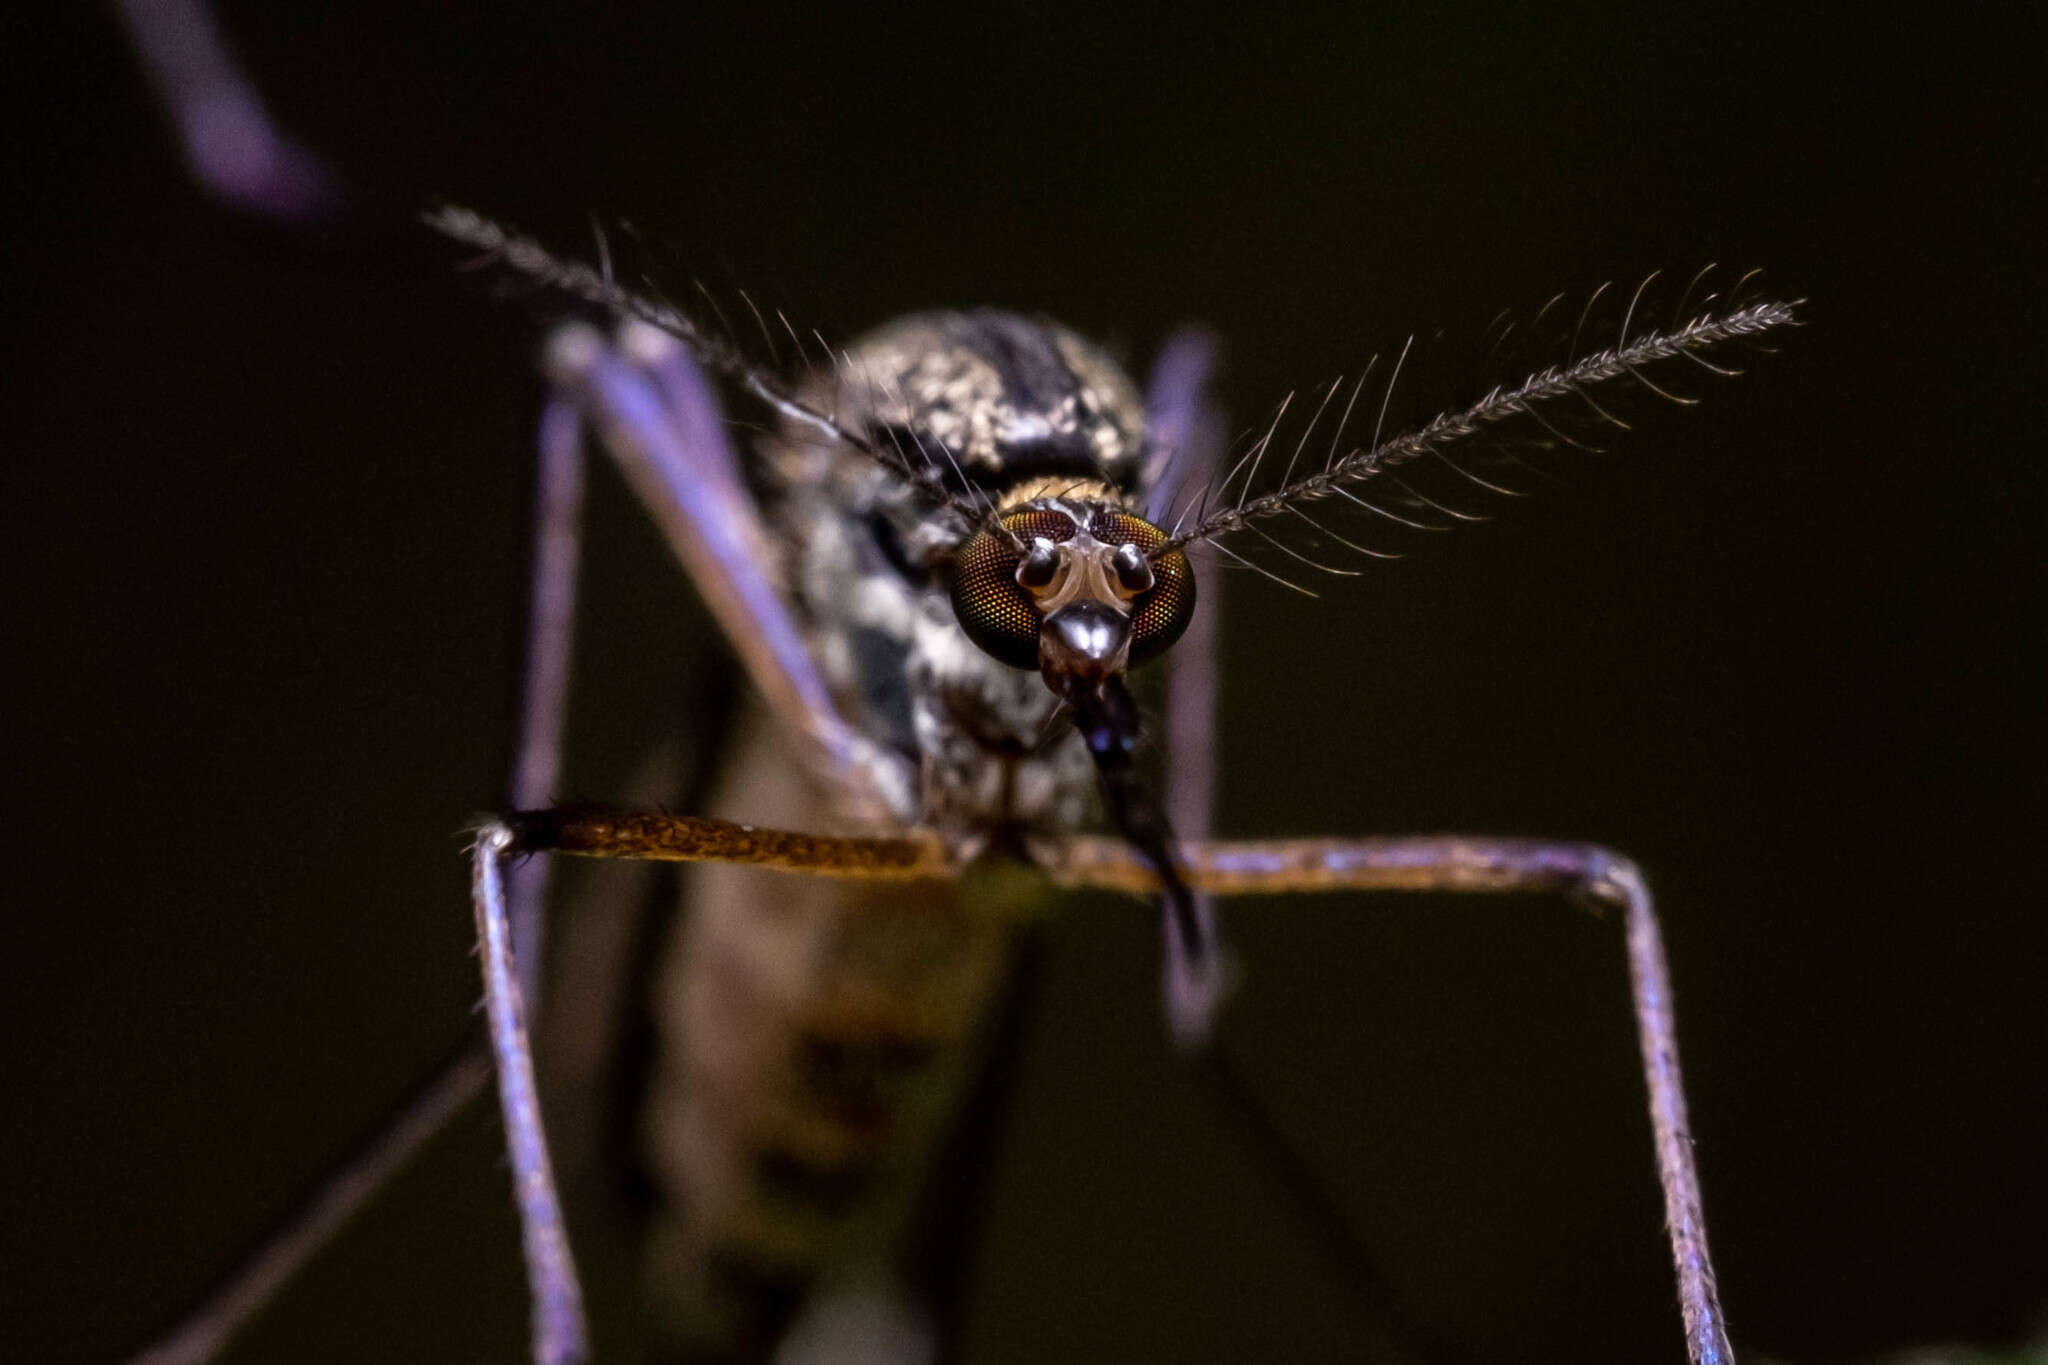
{"x": 973, "y": 489}
{"x": 938, "y": 570}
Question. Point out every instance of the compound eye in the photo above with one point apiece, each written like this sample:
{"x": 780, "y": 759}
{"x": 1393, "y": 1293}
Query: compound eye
{"x": 990, "y": 597}
{"x": 1038, "y": 566}
{"x": 1162, "y": 607}
{"x": 1133, "y": 570}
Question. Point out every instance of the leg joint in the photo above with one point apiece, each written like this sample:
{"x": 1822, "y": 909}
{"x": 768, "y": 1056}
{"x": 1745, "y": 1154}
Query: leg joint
{"x": 1608, "y": 878}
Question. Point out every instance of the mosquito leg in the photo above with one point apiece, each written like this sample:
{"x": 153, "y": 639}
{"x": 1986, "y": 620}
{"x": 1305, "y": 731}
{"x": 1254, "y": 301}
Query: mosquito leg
{"x": 950, "y": 1226}
{"x": 1178, "y": 415}
{"x": 669, "y": 439}
{"x": 241, "y": 1293}
{"x": 550, "y": 642}
{"x": 510, "y": 909}
{"x": 1184, "y": 427}
{"x": 559, "y": 1337}
{"x": 231, "y": 145}
{"x": 558, "y": 1330}
{"x": 1225, "y": 1081}
{"x": 1458, "y": 863}
{"x": 594, "y": 832}
{"x": 385, "y": 1149}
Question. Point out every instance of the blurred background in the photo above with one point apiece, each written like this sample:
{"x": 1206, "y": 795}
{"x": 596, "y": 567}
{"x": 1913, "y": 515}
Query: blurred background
{"x": 265, "y": 557}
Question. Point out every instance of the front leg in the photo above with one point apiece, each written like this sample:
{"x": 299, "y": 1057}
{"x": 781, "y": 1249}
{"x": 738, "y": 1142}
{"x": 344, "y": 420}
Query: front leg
{"x": 559, "y": 1335}
{"x": 1460, "y": 863}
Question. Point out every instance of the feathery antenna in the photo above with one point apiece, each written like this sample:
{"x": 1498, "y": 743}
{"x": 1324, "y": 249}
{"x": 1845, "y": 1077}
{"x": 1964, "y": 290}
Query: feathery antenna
{"x": 530, "y": 260}
{"x": 1626, "y": 357}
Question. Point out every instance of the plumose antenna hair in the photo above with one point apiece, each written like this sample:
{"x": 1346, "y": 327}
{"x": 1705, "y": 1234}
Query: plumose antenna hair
{"x": 718, "y": 353}
{"x": 1368, "y": 476}
{"x": 952, "y": 651}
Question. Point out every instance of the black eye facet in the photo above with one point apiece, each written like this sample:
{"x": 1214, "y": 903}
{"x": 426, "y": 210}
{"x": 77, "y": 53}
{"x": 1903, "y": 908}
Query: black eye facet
{"x": 1162, "y": 610}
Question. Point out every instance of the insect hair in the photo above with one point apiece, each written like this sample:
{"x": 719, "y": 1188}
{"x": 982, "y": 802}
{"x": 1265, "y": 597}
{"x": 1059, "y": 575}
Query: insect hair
{"x": 1340, "y": 474}
{"x": 719, "y": 353}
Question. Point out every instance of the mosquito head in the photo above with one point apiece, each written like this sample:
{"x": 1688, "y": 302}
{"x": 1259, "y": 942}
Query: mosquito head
{"x": 1083, "y": 600}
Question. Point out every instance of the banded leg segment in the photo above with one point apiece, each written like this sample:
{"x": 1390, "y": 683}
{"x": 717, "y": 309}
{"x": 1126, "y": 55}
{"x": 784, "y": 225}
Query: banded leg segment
{"x": 1458, "y": 863}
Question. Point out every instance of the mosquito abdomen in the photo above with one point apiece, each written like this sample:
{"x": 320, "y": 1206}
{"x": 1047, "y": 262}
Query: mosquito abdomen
{"x": 812, "y": 1039}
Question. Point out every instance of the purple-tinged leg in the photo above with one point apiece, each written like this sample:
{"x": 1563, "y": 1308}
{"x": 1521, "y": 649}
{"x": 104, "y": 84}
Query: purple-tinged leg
{"x": 240, "y": 1294}
{"x": 691, "y": 403}
{"x": 231, "y": 146}
{"x": 550, "y": 643}
{"x": 1180, "y": 424}
{"x": 559, "y": 1337}
{"x": 662, "y": 423}
{"x": 1186, "y": 432}
{"x": 260, "y": 1274}
{"x": 669, "y": 439}
{"x": 558, "y": 1329}
{"x": 511, "y": 903}
{"x": 1458, "y": 863}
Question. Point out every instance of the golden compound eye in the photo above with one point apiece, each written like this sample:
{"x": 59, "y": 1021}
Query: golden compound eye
{"x": 989, "y": 601}
{"x": 992, "y": 582}
{"x": 1160, "y": 612}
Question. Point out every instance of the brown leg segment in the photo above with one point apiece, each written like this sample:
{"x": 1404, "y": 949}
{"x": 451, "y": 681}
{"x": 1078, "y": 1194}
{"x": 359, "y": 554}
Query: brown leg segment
{"x": 1458, "y": 863}
{"x": 603, "y": 833}
{"x": 558, "y": 1332}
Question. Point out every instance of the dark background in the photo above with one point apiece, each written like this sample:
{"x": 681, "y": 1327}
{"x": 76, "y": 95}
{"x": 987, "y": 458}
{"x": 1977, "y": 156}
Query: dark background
{"x": 264, "y": 549}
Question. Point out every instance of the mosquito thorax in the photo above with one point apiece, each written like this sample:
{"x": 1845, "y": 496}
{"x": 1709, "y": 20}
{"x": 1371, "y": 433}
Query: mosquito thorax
{"x": 1073, "y": 586}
